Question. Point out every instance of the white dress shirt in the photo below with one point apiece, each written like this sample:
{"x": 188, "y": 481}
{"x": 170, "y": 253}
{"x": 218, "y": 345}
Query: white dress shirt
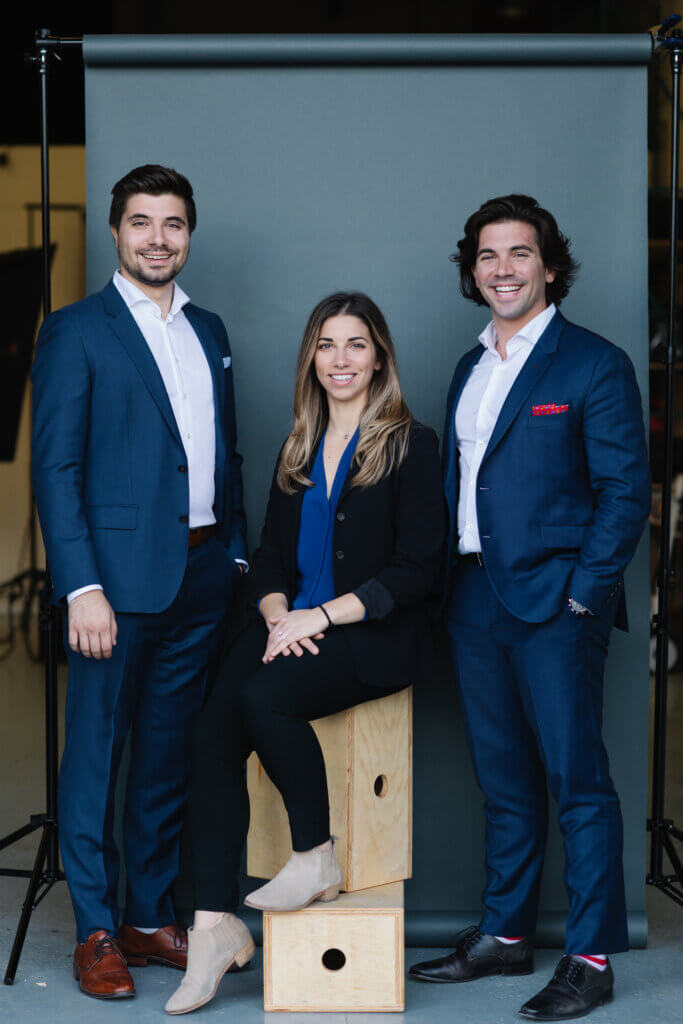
{"x": 476, "y": 415}
{"x": 184, "y": 369}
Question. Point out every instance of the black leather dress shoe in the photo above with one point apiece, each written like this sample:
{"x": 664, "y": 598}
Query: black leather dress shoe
{"x": 576, "y": 988}
{"x": 475, "y": 956}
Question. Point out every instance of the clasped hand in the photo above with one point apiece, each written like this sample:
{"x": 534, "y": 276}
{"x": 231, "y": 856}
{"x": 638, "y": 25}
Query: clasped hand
{"x": 293, "y": 632}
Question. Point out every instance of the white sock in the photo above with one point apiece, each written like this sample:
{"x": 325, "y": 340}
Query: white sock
{"x": 145, "y": 931}
{"x": 508, "y": 942}
{"x": 596, "y": 960}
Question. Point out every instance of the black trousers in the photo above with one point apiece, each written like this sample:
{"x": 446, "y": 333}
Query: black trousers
{"x": 266, "y": 708}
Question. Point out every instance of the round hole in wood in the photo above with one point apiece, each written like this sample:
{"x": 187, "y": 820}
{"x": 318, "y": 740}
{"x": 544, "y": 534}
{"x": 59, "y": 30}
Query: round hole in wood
{"x": 333, "y": 959}
{"x": 381, "y": 786}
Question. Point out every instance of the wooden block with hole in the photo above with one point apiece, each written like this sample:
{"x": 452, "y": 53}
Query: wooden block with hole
{"x": 368, "y": 753}
{"x": 345, "y": 956}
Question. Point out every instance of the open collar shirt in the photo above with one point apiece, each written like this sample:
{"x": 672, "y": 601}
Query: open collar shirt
{"x": 478, "y": 409}
{"x": 184, "y": 369}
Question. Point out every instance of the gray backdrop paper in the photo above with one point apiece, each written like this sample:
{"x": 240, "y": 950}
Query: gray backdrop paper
{"x": 338, "y": 163}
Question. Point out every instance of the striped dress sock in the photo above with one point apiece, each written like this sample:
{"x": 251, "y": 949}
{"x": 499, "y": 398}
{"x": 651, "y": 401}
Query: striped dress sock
{"x": 596, "y": 960}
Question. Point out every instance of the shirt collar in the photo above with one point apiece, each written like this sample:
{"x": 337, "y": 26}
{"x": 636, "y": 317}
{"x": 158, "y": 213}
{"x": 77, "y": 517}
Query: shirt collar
{"x": 530, "y": 333}
{"x": 134, "y": 296}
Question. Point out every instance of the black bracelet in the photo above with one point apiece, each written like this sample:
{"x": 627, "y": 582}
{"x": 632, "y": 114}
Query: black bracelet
{"x": 324, "y": 611}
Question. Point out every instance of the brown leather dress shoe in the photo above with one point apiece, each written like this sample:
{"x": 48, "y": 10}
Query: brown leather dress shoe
{"x": 100, "y": 969}
{"x": 166, "y": 946}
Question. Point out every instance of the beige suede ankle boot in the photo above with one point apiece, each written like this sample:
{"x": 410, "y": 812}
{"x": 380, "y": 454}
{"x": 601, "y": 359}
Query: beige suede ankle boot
{"x": 312, "y": 875}
{"x": 210, "y": 953}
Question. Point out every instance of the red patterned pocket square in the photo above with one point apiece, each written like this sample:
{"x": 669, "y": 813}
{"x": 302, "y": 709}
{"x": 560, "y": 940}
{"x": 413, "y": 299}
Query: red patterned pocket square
{"x": 548, "y": 410}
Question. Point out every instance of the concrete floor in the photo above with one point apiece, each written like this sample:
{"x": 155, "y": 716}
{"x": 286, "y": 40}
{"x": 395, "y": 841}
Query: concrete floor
{"x": 649, "y": 983}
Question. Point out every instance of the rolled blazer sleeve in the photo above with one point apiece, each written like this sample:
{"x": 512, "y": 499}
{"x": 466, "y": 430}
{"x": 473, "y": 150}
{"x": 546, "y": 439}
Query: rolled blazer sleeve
{"x": 420, "y": 531}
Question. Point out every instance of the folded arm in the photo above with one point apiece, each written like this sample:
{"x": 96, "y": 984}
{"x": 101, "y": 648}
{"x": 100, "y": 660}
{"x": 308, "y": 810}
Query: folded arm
{"x": 292, "y": 632}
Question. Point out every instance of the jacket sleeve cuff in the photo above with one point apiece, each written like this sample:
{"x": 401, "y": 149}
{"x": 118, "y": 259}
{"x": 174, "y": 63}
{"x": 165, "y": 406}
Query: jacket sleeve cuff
{"x": 592, "y": 593}
{"x": 237, "y": 548}
{"x": 376, "y": 598}
{"x": 82, "y": 590}
{"x": 258, "y": 589}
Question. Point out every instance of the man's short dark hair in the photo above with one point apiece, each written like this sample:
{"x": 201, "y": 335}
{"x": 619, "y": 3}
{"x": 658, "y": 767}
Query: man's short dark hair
{"x": 151, "y": 180}
{"x": 554, "y": 246}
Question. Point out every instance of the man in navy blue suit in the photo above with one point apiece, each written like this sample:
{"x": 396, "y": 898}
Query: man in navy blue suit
{"x": 139, "y": 492}
{"x": 548, "y": 488}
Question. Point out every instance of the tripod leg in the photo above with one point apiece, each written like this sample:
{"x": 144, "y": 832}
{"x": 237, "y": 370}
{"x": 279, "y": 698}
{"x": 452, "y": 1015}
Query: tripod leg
{"x": 13, "y": 837}
{"x": 31, "y": 892}
{"x": 673, "y": 856}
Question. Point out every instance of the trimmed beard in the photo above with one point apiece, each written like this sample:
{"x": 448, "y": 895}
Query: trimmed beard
{"x": 156, "y": 282}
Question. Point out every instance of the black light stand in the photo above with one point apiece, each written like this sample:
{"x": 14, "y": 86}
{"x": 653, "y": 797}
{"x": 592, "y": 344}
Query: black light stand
{"x": 46, "y": 870}
{"x": 663, "y": 831}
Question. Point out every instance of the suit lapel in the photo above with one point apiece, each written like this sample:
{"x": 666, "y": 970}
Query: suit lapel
{"x": 294, "y": 505}
{"x": 348, "y": 482}
{"x": 213, "y": 357}
{"x": 450, "y": 450}
{"x": 129, "y": 334}
{"x": 534, "y": 368}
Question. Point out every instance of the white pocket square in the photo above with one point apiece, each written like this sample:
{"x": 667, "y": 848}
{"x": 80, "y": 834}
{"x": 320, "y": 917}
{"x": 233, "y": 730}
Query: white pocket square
{"x": 226, "y": 361}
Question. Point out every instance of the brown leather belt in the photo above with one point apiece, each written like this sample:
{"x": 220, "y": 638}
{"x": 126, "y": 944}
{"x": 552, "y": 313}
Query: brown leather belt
{"x": 199, "y": 534}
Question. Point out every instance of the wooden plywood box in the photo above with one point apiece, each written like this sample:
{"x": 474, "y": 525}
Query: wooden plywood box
{"x": 342, "y": 956}
{"x": 368, "y": 754}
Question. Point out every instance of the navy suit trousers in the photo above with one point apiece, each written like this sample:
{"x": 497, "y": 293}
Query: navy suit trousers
{"x": 152, "y": 688}
{"x": 531, "y": 696}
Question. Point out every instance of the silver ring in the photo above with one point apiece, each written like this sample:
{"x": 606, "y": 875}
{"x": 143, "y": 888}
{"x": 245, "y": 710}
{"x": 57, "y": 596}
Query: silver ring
{"x": 281, "y": 634}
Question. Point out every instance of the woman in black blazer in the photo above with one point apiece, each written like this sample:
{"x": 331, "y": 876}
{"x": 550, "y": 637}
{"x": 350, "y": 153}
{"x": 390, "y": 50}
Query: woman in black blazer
{"x": 349, "y": 554}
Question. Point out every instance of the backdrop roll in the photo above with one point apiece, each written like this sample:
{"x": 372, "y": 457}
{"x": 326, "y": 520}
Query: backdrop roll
{"x": 325, "y": 163}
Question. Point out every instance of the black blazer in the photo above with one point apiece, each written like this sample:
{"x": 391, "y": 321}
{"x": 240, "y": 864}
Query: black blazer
{"x": 388, "y": 544}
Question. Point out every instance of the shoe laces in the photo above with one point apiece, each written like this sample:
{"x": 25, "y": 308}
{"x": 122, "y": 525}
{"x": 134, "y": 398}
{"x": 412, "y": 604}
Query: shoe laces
{"x": 106, "y": 945}
{"x": 568, "y": 969}
{"x": 470, "y": 939}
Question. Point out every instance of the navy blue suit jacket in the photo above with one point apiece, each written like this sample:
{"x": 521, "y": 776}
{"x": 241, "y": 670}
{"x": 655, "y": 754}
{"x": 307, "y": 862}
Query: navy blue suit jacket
{"x": 109, "y": 468}
{"x": 561, "y": 499}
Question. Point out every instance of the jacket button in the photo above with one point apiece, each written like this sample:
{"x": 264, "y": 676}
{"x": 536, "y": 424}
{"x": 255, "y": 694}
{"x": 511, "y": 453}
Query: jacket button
{"x": 182, "y": 468}
{"x": 183, "y": 519}
{"x": 341, "y": 517}
{"x": 340, "y": 554}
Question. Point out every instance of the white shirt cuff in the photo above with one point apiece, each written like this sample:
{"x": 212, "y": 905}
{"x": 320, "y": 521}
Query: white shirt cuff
{"x": 83, "y": 590}
{"x": 240, "y": 561}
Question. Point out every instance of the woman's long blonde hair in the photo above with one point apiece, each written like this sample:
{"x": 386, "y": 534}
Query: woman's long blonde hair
{"x": 385, "y": 423}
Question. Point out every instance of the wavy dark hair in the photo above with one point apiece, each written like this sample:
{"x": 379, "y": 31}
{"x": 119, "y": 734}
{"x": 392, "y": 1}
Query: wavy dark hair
{"x": 152, "y": 180}
{"x": 553, "y": 244}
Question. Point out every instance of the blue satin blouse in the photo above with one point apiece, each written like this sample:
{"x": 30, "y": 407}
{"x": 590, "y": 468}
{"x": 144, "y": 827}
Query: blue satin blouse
{"x": 315, "y": 557}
